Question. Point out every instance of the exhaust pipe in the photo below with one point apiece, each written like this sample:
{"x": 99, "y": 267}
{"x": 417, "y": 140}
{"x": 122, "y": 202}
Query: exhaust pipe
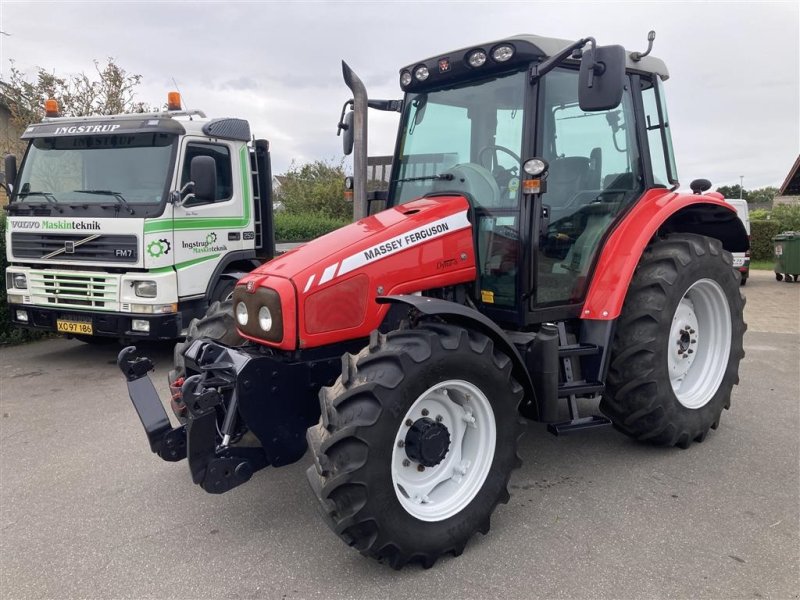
{"x": 359, "y": 141}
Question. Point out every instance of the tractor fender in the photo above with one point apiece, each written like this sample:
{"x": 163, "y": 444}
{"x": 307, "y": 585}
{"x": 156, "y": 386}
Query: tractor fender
{"x": 458, "y": 314}
{"x": 659, "y": 212}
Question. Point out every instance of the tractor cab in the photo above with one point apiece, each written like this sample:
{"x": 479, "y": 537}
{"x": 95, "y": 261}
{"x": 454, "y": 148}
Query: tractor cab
{"x": 472, "y": 120}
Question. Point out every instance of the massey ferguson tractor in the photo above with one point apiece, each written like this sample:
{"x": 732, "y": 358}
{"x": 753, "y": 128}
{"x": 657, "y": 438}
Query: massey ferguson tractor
{"x": 531, "y": 254}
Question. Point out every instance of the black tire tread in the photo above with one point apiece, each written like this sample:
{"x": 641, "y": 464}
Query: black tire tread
{"x": 638, "y": 397}
{"x": 354, "y": 403}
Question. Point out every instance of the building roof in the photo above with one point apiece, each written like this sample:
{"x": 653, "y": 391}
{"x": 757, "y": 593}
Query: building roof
{"x": 791, "y": 185}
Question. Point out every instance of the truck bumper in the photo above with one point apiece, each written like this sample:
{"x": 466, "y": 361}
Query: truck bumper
{"x": 117, "y": 325}
{"x": 232, "y": 397}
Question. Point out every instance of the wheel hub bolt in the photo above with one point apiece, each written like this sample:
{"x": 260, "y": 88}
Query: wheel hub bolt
{"x": 401, "y": 443}
{"x": 406, "y": 462}
{"x": 420, "y": 468}
{"x": 439, "y": 418}
{"x": 409, "y": 422}
{"x": 425, "y": 412}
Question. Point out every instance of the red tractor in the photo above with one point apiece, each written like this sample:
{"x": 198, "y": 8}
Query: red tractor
{"x": 531, "y": 251}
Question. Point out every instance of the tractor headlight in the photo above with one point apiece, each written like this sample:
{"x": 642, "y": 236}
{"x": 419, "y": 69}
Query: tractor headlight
{"x": 20, "y": 281}
{"x": 145, "y": 289}
{"x": 535, "y": 166}
{"x": 241, "y": 314}
{"x": 264, "y": 318}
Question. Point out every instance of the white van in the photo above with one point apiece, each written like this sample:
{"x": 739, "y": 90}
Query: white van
{"x": 741, "y": 260}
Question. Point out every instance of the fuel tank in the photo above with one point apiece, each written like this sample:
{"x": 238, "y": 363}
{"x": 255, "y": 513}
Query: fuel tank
{"x": 324, "y": 291}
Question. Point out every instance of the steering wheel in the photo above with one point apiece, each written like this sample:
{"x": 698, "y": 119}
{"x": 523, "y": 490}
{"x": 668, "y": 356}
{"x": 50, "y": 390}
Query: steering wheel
{"x": 485, "y": 149}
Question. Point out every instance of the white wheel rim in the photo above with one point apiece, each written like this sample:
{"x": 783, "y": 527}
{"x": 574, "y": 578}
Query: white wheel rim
{"x": 699, "y": 343}
{"x": 439, "y": 492}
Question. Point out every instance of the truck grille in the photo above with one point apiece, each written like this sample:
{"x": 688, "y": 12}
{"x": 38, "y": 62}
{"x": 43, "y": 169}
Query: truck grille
{"x": 81, "y": 247}
{"x": 73, "y": 290}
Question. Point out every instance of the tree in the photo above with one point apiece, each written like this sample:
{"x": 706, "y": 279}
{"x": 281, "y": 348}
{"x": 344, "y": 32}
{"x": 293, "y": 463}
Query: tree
{"x": 763, "y": 195}
{"x": 732, "y": 191}
{"x": 316, "y": 188}
{"x": 111, "y": 90}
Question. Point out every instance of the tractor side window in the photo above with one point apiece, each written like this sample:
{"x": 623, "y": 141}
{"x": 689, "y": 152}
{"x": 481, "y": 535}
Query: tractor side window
{"x": 595, "y": 172}
{"x": 659, "y": 138}
{"x": 222, "y": 159}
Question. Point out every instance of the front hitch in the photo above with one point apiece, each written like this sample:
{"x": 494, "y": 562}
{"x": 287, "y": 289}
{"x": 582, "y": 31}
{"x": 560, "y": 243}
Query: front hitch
{"x": 215, "y": 465}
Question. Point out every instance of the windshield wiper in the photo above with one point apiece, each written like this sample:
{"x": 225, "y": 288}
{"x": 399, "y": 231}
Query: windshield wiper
{"x": 51, "y": 199}
{"x": 443, "y": 176}
{"x": 120, "y": 199}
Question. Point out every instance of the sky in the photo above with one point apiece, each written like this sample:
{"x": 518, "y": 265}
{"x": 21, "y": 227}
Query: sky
{"x": 733, "y": 92}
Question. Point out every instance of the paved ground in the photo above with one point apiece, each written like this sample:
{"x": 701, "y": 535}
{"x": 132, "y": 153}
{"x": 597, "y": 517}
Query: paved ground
{"x": 86, "y": 511}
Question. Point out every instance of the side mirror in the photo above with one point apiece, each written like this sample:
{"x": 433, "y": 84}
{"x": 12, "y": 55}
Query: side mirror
{"x": 347, "y": 137}
{"x": 10, "y": 165}
{"x": 203, "y": 172}
{"x": 602, "y": 78}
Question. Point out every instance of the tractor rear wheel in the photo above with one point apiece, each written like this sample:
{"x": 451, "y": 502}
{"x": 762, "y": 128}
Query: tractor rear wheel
{"x": 676, "y": 351}
{"x": 416, "y": 443}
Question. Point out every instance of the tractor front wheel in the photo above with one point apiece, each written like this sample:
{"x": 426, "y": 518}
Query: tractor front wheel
{"x": 416, "y": 443}
{"x": 678, "y": 343}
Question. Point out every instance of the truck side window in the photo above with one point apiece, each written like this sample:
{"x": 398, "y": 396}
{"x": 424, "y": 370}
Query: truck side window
{"x": 222, "y": 159}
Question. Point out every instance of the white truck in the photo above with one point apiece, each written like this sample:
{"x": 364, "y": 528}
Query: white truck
{"x": 128, "y": 226}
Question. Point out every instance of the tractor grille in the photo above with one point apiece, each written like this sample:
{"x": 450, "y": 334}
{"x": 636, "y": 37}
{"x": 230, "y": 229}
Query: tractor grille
{"x": 73, "y": 290}
{"x": 59, "y": 246}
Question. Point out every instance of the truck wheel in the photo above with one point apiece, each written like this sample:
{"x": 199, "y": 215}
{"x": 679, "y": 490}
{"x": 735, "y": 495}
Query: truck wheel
{"x": 416, "y": 443}
{"x": 223, "y": 290}
{"x": 676, "y": 351}
{"x": 217, "y": 324}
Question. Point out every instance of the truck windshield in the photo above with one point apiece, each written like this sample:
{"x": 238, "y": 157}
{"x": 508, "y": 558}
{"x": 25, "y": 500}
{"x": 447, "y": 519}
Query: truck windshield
{"x": 119, "y": 170}
{"x": 466, "y": 138}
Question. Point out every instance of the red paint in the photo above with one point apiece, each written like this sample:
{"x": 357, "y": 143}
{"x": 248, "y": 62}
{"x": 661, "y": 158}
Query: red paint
{"x": 622, "y": 251}
{"x": 447, "y": 259}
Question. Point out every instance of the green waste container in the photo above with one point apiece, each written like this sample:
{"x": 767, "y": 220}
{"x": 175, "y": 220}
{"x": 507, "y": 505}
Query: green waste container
{"x": 786, "y": 248}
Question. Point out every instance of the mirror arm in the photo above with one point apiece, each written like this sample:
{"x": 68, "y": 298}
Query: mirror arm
{"x": 542, "y": 69}
{"x": 341, "y": 125}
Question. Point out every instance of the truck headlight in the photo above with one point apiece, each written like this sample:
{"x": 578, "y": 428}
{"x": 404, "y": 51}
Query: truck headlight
{"x": 20, "y": 281}
{"x": 264, "y": 318}
{"x": 145, "y": 289}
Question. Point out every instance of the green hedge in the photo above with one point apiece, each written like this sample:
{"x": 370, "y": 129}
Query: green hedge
{"x": 8, "y": 333}
{"x": 304, "y": 227}
{"x": 761, "y": 234}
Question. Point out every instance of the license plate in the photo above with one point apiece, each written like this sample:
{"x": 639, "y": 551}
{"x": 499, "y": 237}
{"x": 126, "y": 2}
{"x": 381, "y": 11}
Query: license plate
{"x": 738, "y": 261}
{"x": 74, "y": 327}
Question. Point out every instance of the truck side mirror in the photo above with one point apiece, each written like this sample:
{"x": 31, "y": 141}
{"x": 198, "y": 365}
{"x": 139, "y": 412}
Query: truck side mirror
{"x": 203, "y": 172}
{"x": 10, "y": 166}
{"x": 602, "y": 78}
{"x": 347, "y": 137}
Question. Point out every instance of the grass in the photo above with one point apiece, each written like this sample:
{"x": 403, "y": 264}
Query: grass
{"x": 762, "y": 265}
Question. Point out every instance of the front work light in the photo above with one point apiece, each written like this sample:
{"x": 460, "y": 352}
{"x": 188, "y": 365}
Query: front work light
{"x": 421, "y": 73}
{"x": 476, "y": 58}
{"x": 405, "y": 78}
{"x": 503, "y": 52}
{"x": 535, "y": 166}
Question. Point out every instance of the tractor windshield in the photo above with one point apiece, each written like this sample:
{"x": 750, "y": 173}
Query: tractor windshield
{"x": 466, "y": 138}
{"x": 123, "y": 172}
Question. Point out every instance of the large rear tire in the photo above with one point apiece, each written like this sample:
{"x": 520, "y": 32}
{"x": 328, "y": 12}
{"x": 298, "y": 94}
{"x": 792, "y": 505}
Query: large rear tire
{"x": 416, "y": 443}
{"x": 678, "y": 342}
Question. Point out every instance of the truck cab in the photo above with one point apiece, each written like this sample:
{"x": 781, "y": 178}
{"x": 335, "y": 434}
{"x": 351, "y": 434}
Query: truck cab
{"x": 110, "y": 236}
